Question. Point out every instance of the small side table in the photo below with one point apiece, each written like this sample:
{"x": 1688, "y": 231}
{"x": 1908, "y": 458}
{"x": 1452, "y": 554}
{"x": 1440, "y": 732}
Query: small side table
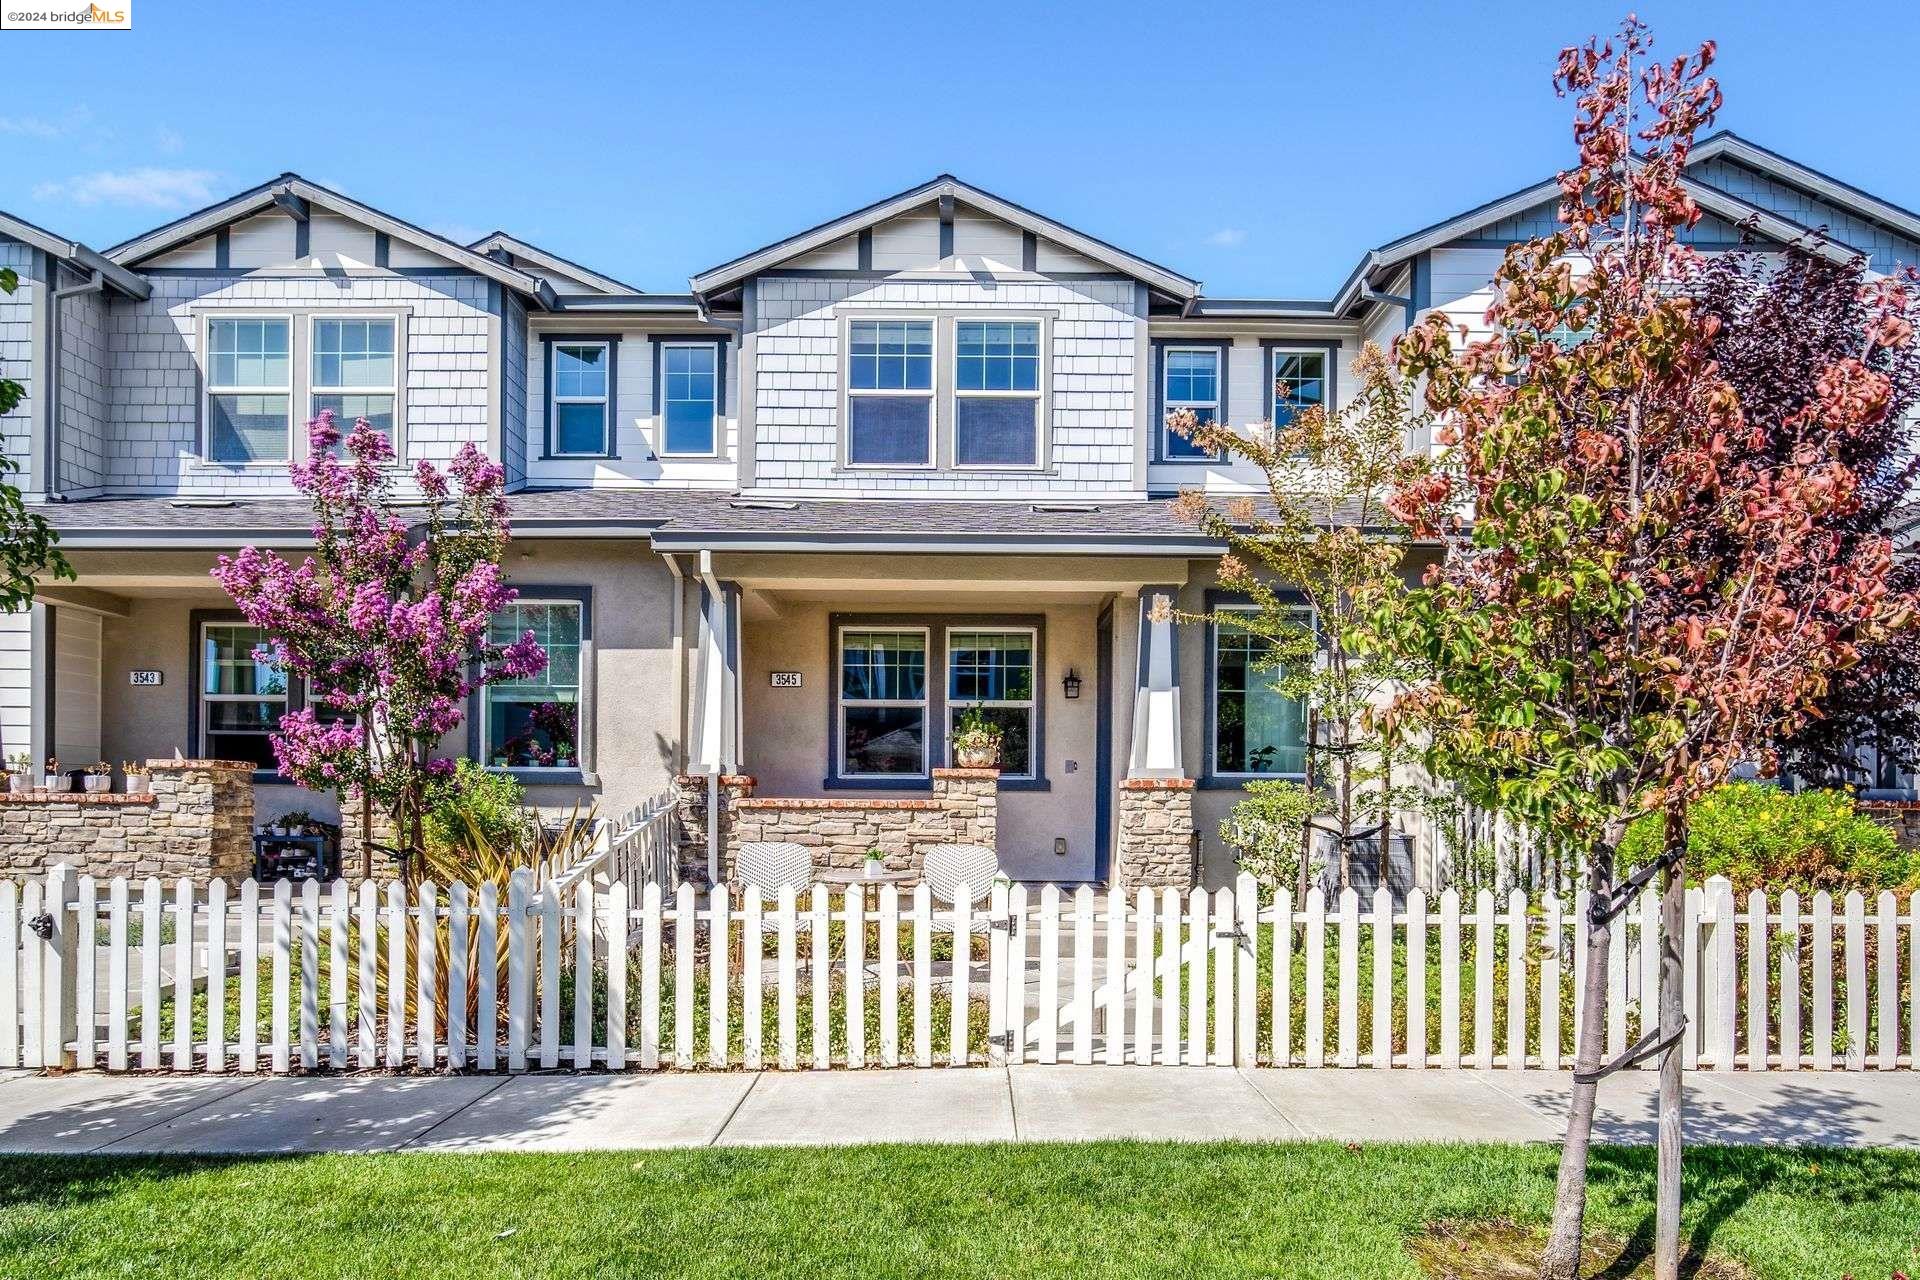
{"x": 293, "y": 858}
{"x": 852, "y": 876}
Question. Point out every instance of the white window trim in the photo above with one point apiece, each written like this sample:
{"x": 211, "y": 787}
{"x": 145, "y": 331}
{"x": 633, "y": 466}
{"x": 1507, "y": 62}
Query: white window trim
{"x": 848, "y": 392}
{"x": 1304, "y": 613}
{"x": 1273, "y": 368}
{"x": 555, "y": 399}
{"x": 1170, "y": 404}
{"x": 579, "y": 698}
{"x": 719, "y": 409}
{"x": 284, "y": 698}
{"x": 209, "y": 389}
{"x": 924, "y": 702}
{"x": 314, "y": 390}
{"x": 955, "y": 706}
{"x": 1040, "y": 395}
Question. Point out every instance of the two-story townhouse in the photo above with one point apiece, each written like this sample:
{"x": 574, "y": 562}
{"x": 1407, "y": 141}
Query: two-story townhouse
{"x": 790, "y": 524}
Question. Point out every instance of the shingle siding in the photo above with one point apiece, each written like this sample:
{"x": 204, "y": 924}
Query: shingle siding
{"x": 513, "y": 409}
{"x": 1885, "y": 249}
{"x": 85, "y": 391}
{"x": 16, "y": 351}
{"x": 153, "y": 440}
{"x": 1091, "y": 424}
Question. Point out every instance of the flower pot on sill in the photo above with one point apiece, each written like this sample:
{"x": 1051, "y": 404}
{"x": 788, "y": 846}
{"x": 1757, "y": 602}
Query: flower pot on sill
{"x": 977, "y": 756}
{"x": 873, "y": 868}
{"x": 139, "y": 784}
{"x": 56, "y": 782}
{"x": 96, "y": 783}
{"x": 19, "y": 783}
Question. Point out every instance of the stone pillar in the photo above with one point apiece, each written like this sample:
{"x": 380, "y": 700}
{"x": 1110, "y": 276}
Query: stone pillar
{"x": 385, "y": 866}
{"x": 1902, "y": 817}
{"x": 1156, "y": 833}
{"x": 690, "y": 820}
{"x": 970, "y": 803}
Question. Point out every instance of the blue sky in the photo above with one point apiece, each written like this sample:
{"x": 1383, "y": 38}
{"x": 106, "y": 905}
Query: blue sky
{"x": 1258, "y": 147}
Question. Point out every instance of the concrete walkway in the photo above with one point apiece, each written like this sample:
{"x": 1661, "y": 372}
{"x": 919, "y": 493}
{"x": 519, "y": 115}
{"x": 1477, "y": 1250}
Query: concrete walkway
{"x": 565, "y": 1112}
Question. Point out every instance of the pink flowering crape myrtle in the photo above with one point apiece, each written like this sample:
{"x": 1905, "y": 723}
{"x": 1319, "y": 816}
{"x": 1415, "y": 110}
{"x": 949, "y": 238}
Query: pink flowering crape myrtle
{"x": 388, "y": 621}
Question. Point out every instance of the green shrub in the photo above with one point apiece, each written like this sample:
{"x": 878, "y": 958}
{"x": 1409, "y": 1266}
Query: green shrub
{"x": 476, "y": 802}
{"x": 1761, "y": 837}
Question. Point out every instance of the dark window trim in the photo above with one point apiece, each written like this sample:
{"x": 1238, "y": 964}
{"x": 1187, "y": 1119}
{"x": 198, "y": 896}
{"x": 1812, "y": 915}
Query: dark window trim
{"x": 1222, "y": 346}
{"x": 1211, "y": 779}
{"x": 197, "y": 619}
{"x": 660, "y": 343}
{"x": 937, "y": 626}
{"x": 610, "y": 446}
{"x": 1331, "y": 346}
{"x": 586, "y": 729}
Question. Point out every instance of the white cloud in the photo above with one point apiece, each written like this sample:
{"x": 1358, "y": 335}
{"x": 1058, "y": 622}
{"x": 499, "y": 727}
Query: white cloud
{"x": 168, "y": 141}
{"x": 458, "y": 232}
{"x": 1228, "y": 238}
{"x": 41, "y": 127}
{"x": 145, "y": 187}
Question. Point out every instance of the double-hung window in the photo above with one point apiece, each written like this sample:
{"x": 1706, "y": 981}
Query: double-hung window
{"x": 1257, "y": 731}
{"x": 996, "y": 393}
{"x": 355, "y": 372}
{"x": 890, "y": 393}
{"x": 249, "y": 374}
{"x": 579, "y": 398}
{"x": 990, "y": 673}
{"x": 883, "y": 702}
{"x": 689, "y": 397}
{"x": 534, "y": 722}
{"x": 1299, "y": 380}
{"x": 1190, "y": 380}
{"x": 241, "y": 697}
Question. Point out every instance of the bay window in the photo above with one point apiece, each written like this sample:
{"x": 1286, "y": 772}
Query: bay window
{"x": 883, "y": 703}
{"x": 249, "y": 372}
{"x": 890, "y": 393}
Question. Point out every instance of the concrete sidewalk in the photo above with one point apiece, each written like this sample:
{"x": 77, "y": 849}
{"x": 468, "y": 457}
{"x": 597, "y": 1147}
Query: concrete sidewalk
{"x": 565, "y": 1112}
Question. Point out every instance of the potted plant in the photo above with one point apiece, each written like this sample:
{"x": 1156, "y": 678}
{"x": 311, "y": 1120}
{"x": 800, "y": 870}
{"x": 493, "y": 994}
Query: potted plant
{"x": 51, "y": 778}
{"x": 99, "y": 777}
{"x": 20, "y": 773}
{"x": 563, "y": 754}
{"x": 139, "y": 777}
{"x": 976, "y": 744}
{"x": 876, "y": 863}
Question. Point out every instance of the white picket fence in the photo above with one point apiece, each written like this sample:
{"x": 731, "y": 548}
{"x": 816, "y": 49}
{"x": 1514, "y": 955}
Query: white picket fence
{"x": 118, "y": 976}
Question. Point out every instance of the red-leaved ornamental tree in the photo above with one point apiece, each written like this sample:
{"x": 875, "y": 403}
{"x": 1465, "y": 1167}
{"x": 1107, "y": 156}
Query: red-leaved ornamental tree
{"x": 388, "y": 621}
{"x": 1645, "y": 587}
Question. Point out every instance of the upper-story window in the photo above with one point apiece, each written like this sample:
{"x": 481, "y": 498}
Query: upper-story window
{"x": 1190, "y": 380}
{"x": 689, "y": 397}
{"x": 1299, "y": 380}
{"x": 249, "y": 389}
{"x": 355, "y": 372}
{"x": 579, "y": 398}
{"x": 890, "y": 393}
{"x": 996, "y": 393}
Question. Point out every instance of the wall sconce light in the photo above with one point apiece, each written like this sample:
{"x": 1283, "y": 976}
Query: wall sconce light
{"x": 1060, "y": 846}
{"x": 1071, "y": 683}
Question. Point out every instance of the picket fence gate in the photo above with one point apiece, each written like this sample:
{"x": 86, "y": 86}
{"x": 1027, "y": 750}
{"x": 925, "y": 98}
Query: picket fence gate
{"x": 358, "y": 977}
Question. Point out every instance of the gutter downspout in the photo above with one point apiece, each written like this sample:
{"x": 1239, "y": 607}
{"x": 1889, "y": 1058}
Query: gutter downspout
{"x": 96, "y": 283}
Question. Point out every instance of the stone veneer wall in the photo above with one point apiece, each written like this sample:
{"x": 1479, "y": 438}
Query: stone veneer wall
{"x": 964, "y": 809}
{"x": 197, "y": 822}
{"x": 1156, "y": 833}
{"x": 384, "y": 865}
{"x": 1902, "y": 817}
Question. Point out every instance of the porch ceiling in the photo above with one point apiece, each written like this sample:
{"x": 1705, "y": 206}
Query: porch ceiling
{"x": 817, "y": 576}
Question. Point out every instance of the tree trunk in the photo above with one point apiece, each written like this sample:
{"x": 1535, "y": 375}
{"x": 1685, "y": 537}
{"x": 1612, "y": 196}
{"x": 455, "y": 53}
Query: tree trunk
{"x": 1562, "y": 1258}
{"x": 1673, "y": 1012}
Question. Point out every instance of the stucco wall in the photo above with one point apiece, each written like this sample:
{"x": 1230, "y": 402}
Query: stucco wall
{"x": 785, "y": 738}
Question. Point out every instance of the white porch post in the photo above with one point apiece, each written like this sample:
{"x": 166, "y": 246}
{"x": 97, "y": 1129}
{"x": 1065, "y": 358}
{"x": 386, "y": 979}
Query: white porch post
{"x": 715, "y": 722}
{"x": 1156, "y": 695}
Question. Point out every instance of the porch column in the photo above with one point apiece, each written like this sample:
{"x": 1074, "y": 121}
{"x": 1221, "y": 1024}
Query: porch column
{"x": 715, "y": 720}
{"x": 1156, "y": 695}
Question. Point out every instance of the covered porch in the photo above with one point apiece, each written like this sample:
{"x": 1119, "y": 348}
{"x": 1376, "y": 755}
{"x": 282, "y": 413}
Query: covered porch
{"x": 826, "y": 690}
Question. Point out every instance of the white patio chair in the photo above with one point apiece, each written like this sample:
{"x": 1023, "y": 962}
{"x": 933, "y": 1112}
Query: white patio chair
{"x": 947, "y": 866}
{"x": 770, "y": 865}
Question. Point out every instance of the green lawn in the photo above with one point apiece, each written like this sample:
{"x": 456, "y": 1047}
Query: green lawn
{"x": 1112, "y": 1209}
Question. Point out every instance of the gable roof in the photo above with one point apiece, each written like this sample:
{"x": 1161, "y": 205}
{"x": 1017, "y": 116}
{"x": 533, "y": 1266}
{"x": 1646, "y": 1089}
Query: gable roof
{"x": 294, "y": 193}
{"x": 552, "y": 261}
{"x": 1832, "y": 190}
{"x": 945, "y": 187}
{"x": 76, "y": 255}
